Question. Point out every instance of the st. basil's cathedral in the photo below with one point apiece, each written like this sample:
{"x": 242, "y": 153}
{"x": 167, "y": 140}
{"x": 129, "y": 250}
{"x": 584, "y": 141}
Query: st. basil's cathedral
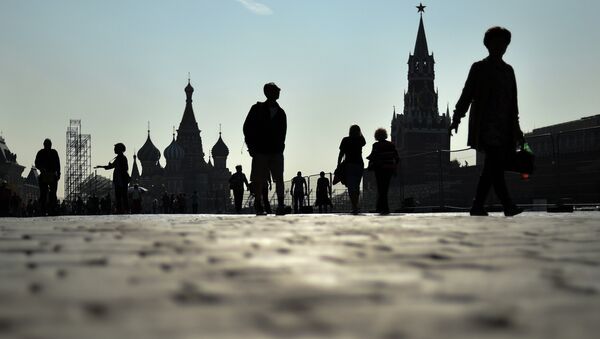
{"x": 186, "y": 170}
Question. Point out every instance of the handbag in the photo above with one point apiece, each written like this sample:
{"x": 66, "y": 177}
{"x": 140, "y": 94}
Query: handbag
{"x": 522, "y": 160}
{"x": 339, "y": 175}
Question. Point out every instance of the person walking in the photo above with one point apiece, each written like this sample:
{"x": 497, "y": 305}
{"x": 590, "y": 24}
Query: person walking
{"x": 166, "y": 202}
{"x": 323, "y": 193}
{"x": 5, "y": 194}
{"x": 265, "y": 130}
{"x": 491, "y": 92}
{"x": 136, "y": 199}
{"x": 195, "y": 199}
{"x": 298, "y": 190}
{"x": 121, "y": 178}
{"x": 383, "y": 160}
{"x": 236, "y": 184}
{"x": 48, "y": 163}
{"x": 350, "y": 159}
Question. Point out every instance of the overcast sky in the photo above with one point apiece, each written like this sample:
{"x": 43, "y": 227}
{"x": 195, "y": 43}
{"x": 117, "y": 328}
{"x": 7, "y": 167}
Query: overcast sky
{"x": 118, "y": 64}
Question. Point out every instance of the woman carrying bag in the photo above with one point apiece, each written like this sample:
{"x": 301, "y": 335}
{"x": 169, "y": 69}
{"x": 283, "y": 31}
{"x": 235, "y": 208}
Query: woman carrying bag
{"x": 352, "y": 165}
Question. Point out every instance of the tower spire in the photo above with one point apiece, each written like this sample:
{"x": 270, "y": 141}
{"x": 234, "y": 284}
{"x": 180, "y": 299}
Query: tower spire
{"x": 421, "y": 49}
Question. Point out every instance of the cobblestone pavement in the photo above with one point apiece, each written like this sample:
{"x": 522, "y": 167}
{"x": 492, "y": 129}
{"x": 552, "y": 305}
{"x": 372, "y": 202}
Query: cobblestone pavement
{"x": 327, "y": 276}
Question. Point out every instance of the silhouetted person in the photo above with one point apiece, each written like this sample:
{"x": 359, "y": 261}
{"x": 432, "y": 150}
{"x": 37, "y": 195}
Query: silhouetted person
{"x": 30, "y": 208}
{"x": 236, "y": 184}
{"x": 105, "y": 204}
{"x": 351, "y": 155}
{"x": 166, "y": 202}
{"x": 173, "y": 205}
{"x": 298, "y": 191}
{"x": 79, "y": 206}
{"x": 48, "y": 163}
{"x": 155, "y": 206}
{"x": 323, "y": 193}
{"x": 265, "y": 129}
{"x": 182, "y": 203}
{"x": 491, "y": 91}
{"x": 95, "y": 201}
{"x": 120, "y": 178}
{"x": 383, "y": 161}
{"x": 136, "y": 199}
{"x": 4, "y": 199}
{"x": 195, "y": 202}
{"x": 15, "y": 205}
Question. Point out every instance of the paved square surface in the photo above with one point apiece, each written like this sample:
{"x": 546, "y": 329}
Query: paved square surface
{"x": 312, "y": 276}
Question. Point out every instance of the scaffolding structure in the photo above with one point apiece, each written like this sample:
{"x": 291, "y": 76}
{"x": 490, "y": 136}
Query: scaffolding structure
{"x": 78, "y": 160}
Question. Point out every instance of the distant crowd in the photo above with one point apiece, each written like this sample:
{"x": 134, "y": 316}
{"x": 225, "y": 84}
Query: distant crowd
{"x": 11, "y": 205}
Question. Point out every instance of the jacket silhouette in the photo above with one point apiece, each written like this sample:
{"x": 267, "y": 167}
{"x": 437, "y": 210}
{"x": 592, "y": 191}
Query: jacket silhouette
{"x": 48, "y": 162}
{"x": 383, "y": 160}
{"x": 479, "y": 89}
{"x": 265, "y": 133}
{"x": 120, "y": 173}
{"x": 383, "y": 157}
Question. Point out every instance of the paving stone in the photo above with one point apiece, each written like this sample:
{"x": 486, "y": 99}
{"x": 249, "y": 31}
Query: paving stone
{"x": 307, "y": 276}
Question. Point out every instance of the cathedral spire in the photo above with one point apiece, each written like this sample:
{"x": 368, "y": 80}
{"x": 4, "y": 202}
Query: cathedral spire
{"x": 188, "y": 134}
{"x": 189, "y": 119}
{"x": 135, "y": 172}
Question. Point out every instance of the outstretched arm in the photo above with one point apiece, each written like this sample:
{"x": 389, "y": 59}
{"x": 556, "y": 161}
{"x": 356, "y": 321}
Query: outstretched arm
{"x": 466, "y": 97}
{"x": 109, "y": 166}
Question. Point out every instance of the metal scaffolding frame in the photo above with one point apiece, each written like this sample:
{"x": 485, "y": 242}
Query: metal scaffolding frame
{"x": 78, "y": 160}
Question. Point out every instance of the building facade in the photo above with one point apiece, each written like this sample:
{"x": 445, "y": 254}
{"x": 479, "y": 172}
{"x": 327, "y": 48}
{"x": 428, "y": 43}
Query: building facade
{"x": 10, "y": 171}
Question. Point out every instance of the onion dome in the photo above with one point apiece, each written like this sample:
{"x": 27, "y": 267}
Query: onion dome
{"x": 220, "y": 149}
{"x": 148, "y": 152}
{"x": 189, "y": 89}
{"x": 174, "y": 151}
